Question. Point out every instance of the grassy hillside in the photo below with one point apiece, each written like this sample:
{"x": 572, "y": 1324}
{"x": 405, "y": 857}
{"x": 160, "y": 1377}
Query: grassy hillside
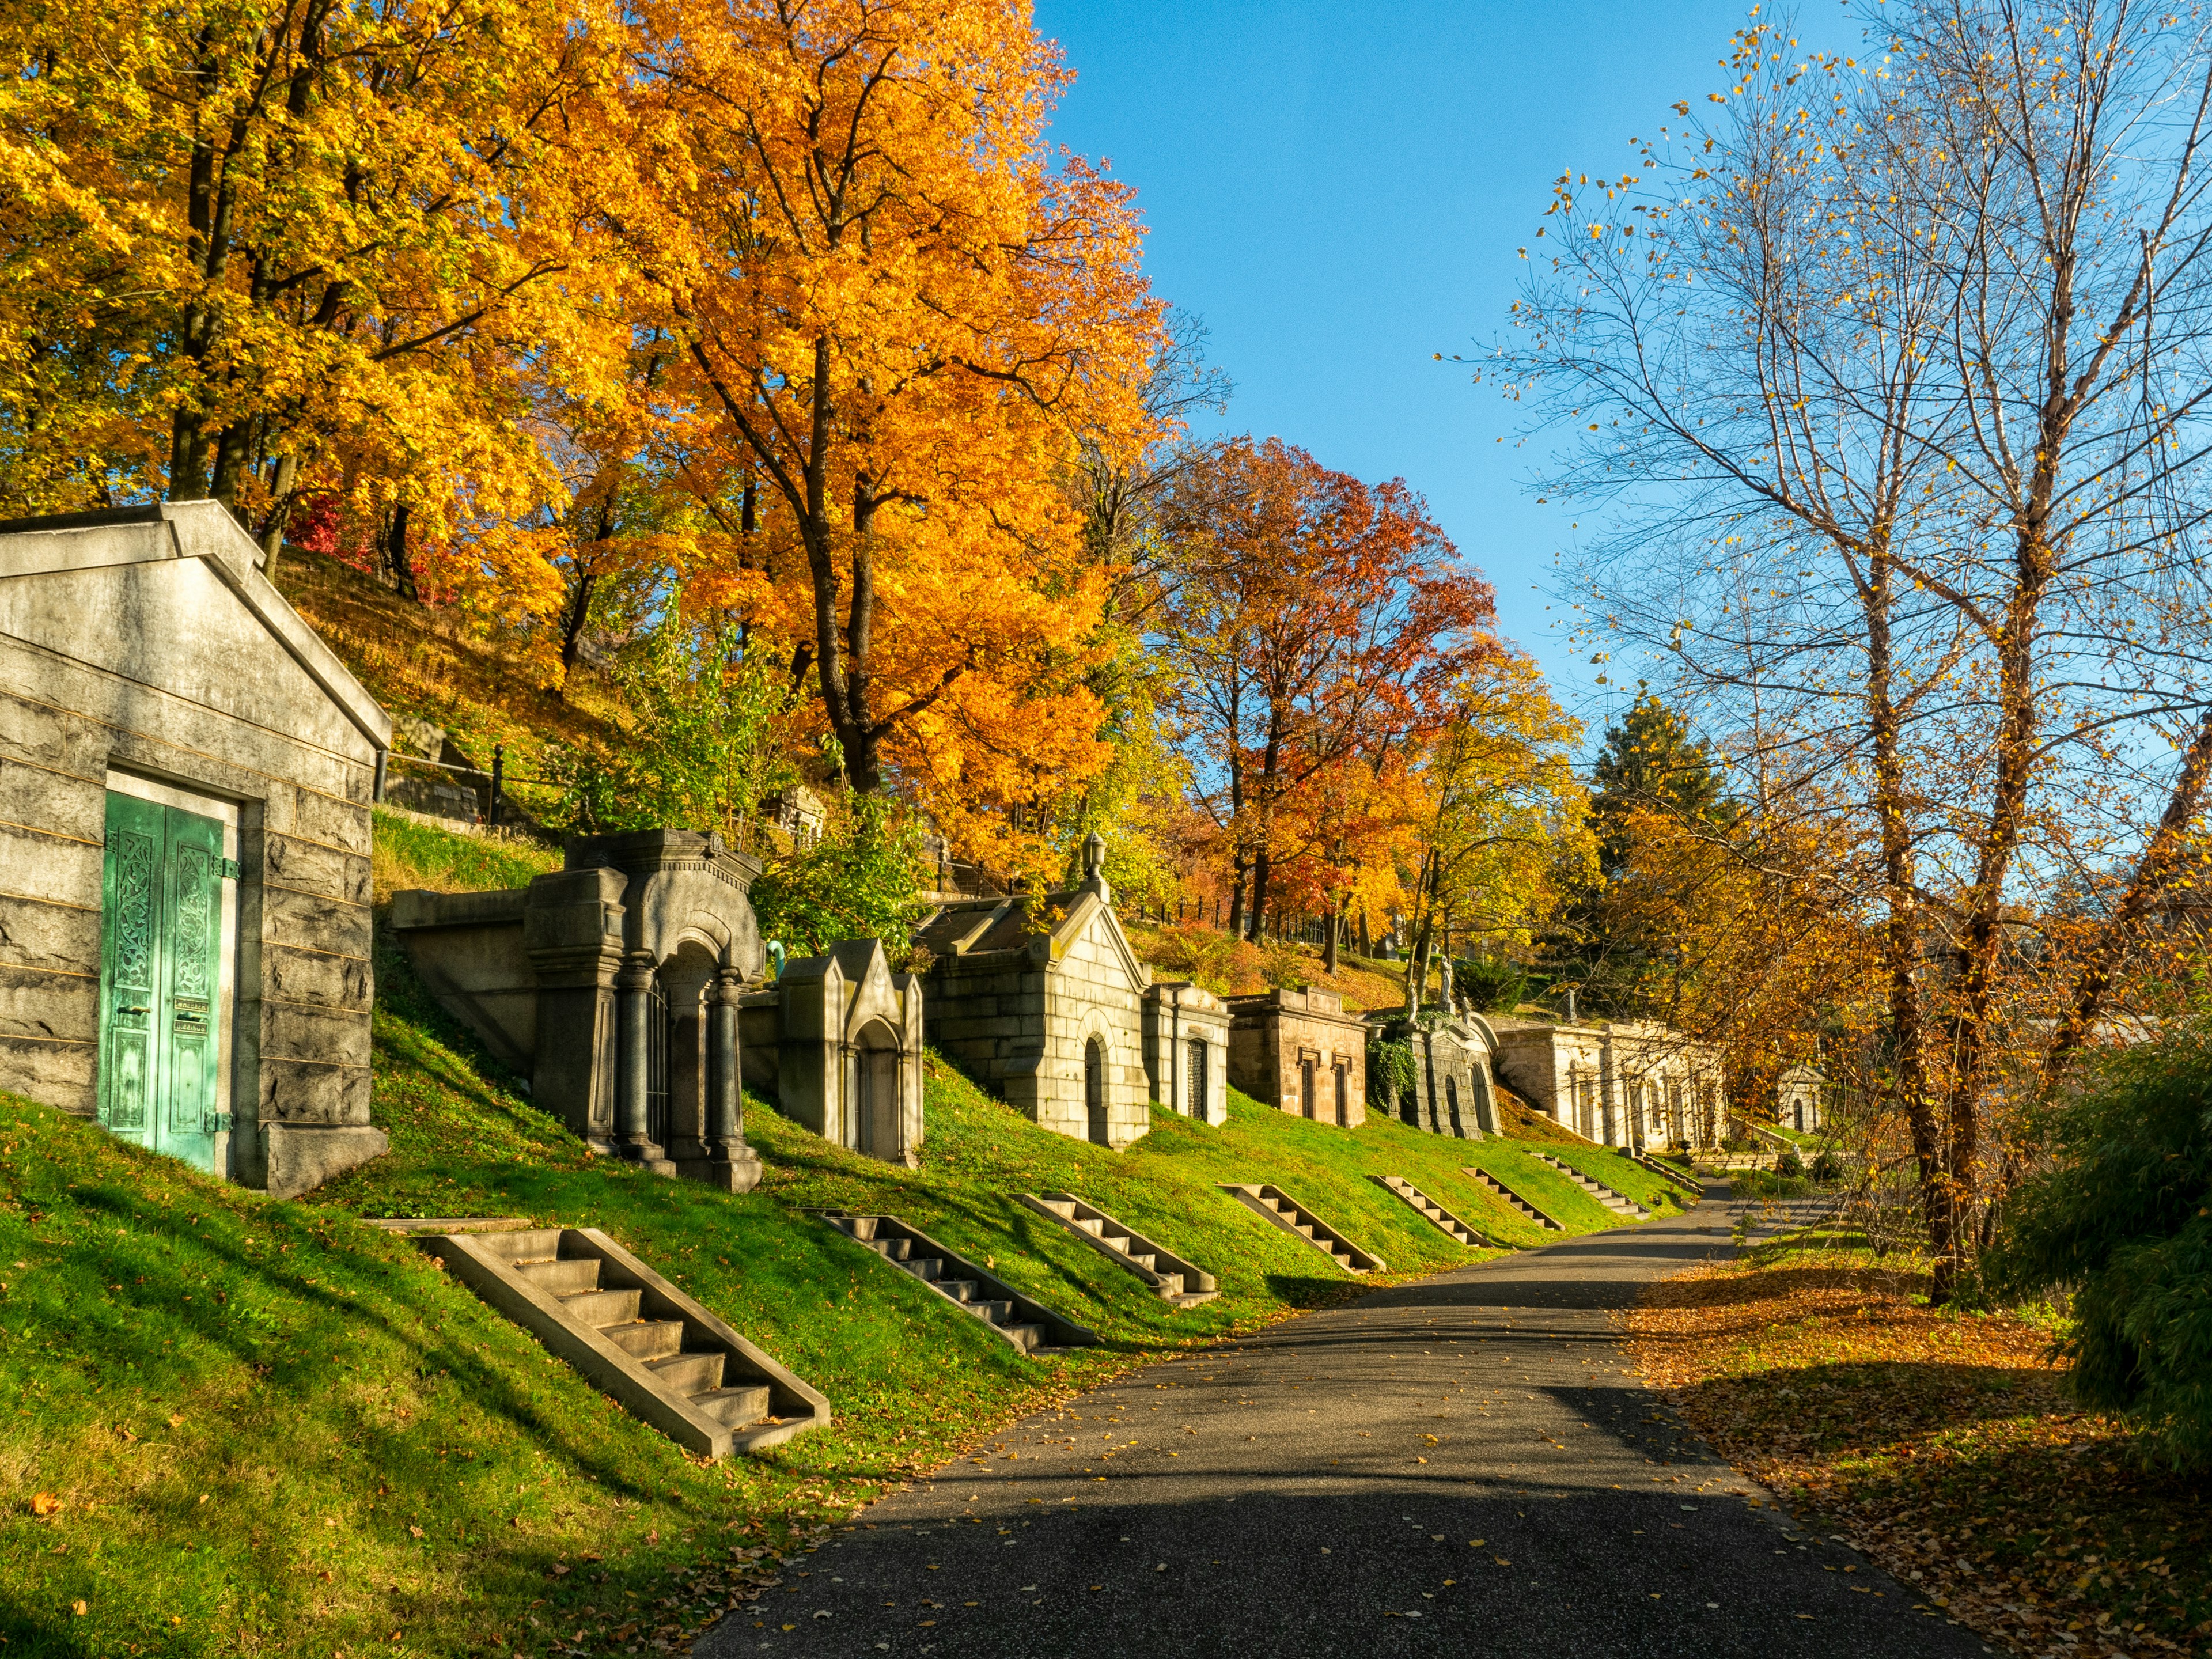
{"x": 239, "y": 1426}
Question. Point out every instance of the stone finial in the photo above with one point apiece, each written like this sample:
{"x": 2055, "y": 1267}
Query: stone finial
{"x": 1094, "y": 866}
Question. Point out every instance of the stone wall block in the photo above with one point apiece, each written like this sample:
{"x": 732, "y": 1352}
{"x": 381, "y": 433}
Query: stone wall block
{"x": 314, "y": 923}
{"x": 36, "y": 1003}
{"x": 58, "y": 1074}
{"x": 49, "y": 936}
{"x": 330, "y": 818}
{"x": 294, "y": 1031}
{"x": 305, "y": 976}
{"x": 45, "y": 868}
{"x": 299, "y": 1092}
{"x": 57, "y": 802}
{"x": 33, "y": 732}
{"x": 307, "y": 867}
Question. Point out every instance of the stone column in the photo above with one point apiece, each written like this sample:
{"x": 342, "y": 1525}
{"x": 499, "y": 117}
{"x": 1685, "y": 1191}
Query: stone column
{"x": 633, "y": 990}
{"x": 732, "y": 1165}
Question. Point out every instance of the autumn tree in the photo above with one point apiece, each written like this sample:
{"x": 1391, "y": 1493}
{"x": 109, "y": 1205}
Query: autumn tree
{"x": 257, "y": 251}
{"x": 1313, "y": 621}
{"x": 897, "y": 311}
{"x": 1896, "y": 386}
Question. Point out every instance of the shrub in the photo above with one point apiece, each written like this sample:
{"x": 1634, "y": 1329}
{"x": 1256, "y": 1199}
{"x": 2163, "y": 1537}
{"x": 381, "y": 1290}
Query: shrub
{"x": 857, "y": 881}
{"x": 1492, "y": 987}
{"x": 2124, "y": 1219}
{"x": 1789, "y": 1167}
{"x": 1827, "y": 1169}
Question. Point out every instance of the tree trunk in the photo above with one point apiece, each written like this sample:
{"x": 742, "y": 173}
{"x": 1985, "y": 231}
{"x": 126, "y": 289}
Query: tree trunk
{"x": 286, "y": 480}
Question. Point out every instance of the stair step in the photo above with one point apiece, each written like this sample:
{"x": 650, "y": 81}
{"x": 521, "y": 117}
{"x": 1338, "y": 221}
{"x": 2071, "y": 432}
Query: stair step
{"x": 564, "y": 1278}
{"x": 893, "y": 1250}
{"x": 1170, "y": 1276}
{"x": 998, "y": 1312}
{"x": 603, "y": 1308}
{"x": 532, "y": 1244}
{"x": 690, "y": 1373}
{"x": 631, "y": 1343}
{"x": 862, "y": 1227}
{"x": 968, "y": 1286}
{"x": 747, "y": 1403}
{"x": 1029, "y": 1338}
{"x": 648, "y": 1338}
{"x": 960, "y": 1290}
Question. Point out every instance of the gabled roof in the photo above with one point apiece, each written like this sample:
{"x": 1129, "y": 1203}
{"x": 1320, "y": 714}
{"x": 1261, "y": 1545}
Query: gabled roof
{"x": 974, "y": 926}
{"x": 190, "y": 530}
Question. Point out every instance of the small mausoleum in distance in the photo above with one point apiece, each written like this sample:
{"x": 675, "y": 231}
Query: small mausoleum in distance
{"x": 628, "y": 988}
{"x": 1041, "y": 1000}
{"x": 1797, "y": 1099}
{"x": 1298, "y": 1051}
{"x": 185, "y": 850}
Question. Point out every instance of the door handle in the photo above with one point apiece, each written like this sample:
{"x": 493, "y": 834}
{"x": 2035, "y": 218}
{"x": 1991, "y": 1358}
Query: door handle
{"x": 132, "y": 1008}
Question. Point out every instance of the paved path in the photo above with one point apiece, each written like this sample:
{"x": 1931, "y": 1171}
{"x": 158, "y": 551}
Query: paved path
{"x": 1463, "y": 1466}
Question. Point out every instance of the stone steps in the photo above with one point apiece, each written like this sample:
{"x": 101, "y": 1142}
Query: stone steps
{"x": 1026, "y": 1323}
{"x": 1432, "y": 1212}
{"x": 1642, "y": 1160}
{"x": 1483, "y": 1177}
{"x": 1172, "y": 1279}
{"x": 1272, "y": 1203}
{"x": 661, "y": 1356}
{"x": 1619, "y": 1203}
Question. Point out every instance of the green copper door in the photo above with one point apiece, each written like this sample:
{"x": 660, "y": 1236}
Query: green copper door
{"x": 161, "y": 975}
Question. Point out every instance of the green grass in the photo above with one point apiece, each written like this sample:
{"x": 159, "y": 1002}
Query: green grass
{"x": 405, "y": 853}
{"x": 265, "y": 1428}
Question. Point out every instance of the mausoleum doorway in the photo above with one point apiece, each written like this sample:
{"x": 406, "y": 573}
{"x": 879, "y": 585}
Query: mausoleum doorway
{"x": 876, "y": 1087}
{"x": 169, "y": 940}
{"x": 1094, "y": 1092}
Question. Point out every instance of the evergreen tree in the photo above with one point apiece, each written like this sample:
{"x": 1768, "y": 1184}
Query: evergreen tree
{"x": 1650, "y": 760}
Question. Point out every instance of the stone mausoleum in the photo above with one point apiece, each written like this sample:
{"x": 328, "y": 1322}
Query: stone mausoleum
{"x": 1298, "y": 1051}
{"x": 623, "y": 986}
{"x": 184, "y": 847}
{"x": 1452, "y": 1091}
{"x": 1041, "y": 1000}
{"x": 1797, "y": 1097}
{"x": 1619, "y": 1083}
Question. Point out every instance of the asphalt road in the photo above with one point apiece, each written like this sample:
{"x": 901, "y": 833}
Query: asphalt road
{"x": 1463, "y": 1466}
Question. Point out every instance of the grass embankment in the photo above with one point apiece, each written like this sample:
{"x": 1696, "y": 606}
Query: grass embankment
{"x": 1942, "y": 1443}
{"x": 248, "y": 1427}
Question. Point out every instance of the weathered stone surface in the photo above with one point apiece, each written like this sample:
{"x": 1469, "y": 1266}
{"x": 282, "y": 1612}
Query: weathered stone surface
{"x": 314, "y": 923}
{"x": 34, "y": 731}
{"x": 42, "y": 1003}
{"x": 59, "y": 803}
{"x": 35, "y": 935}
{"x": 59, "y": 1073}
{"x": 305, "y": 1092}
{"x": 292, "y": 1031}
{"x": 304, "y": 867}
{"x": 316, "y": 978}
{"x": 300, "y": 1159}
{"x": 50, "y": 867}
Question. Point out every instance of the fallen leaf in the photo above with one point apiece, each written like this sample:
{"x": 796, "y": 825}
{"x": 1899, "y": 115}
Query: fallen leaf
{"x": 44, "y": 1503}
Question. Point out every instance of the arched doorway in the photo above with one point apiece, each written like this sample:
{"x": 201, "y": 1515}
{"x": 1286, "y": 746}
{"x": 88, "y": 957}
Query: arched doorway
{"x": 1094, "y": 1090}
{"x": 876, "y": 1092}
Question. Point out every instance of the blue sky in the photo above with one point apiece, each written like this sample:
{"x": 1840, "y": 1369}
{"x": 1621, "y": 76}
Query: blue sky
{"x": 1339, "y": 190}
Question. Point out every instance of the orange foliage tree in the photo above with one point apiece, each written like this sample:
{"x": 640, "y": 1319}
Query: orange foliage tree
{"x": 1316, "y": 622}
{"x": 897, "y": 310}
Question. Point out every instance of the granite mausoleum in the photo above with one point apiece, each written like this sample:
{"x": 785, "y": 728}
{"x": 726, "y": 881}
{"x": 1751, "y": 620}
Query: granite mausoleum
{"x": 1299, "y": 1052}
{"x": 1452, "y": 1091}
{"x": 1187, "y": 1049}
{"x": 1621, "y": 1083}
{"x": 184, "y": 847}
{"x": 837, "y": 1040}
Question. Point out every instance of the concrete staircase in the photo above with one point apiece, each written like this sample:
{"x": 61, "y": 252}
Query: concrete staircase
{"x": 1027, "y": 1323}
{"x": 1433, "y": 1211}
{"x": 1692, "y": 1194}
{"x": 1277, "y": 1206}
{"x": 635, "y": 1336}
{"x": 1619, "y": 1203}
{"x": 1172, "y": 1279}
{"x": 1484, "y": 1178}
